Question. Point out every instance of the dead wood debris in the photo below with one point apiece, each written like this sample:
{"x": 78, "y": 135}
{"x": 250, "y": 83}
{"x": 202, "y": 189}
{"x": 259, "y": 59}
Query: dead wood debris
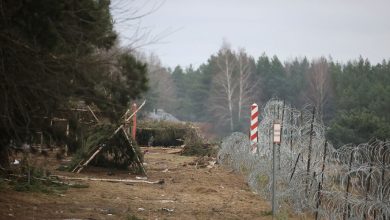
{"x": 176, "y": 151}
{"x": 161, "y": 181}
{"x": 203, "y": 162}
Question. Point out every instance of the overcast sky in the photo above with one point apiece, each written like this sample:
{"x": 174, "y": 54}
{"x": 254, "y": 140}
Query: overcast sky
{"x": 192, "y": 30}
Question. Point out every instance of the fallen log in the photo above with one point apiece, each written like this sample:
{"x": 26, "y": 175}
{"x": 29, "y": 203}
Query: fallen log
{"x": 161, "y": 181}
{"x": 175, "y": 151}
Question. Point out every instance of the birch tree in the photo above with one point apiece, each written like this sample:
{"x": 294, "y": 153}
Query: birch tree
{"x": 246, "y": 81}
{"x": 224, "y": 87}
{"x": 319, "y": 84}
{"x": 162, "y": 89}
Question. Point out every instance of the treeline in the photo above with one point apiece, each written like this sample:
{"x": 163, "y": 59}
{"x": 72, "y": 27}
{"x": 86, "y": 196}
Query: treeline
{"x": 56, "y": 53}
{"x": 352, "y": 99}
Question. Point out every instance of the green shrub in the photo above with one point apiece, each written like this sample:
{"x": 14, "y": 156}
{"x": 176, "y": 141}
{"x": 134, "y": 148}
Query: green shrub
{"x": 161, "y": 133}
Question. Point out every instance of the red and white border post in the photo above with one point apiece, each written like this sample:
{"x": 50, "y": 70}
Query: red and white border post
{"x": 254, "y": 127}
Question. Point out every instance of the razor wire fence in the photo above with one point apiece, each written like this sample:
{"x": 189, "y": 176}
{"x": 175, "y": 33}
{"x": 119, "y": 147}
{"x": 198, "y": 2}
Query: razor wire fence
{"x": 352, "y": 182}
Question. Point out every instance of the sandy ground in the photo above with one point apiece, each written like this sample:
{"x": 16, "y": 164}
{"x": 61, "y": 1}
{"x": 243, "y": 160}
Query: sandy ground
{"x": 189, "y": 192}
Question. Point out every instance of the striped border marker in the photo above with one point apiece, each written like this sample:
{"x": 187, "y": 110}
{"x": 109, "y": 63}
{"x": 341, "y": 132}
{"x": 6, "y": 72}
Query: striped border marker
{"x": 254, "y": 127}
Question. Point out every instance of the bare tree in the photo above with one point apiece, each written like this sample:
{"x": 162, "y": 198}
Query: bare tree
{"x": 128, "y": 17}
{"x": 224, "y": 86}
{"x": 161, "y": 84}
{"x": 247, "y": 84}
{"x": 319, "y": 84}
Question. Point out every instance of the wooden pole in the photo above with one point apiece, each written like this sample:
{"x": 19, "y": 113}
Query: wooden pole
{"x": 281, "y": 136}
{"x": 368, "y": 184}
{"x": 320, "y": 184}
{"x": 278, "y": 153}
{"x": 291, "y": 130}
{"x": 274, "y": 209}
{"x": 67, "y": 135}
{"x": 293, "y": 171}
{"x": 135, "y": 112}
{"x": 93, "y": 114}
{"x": 41, "y": 139}
{"x": 281, "y": 125}
{"x": 301, "y": 128}
{"x": 40, "y": 133}
{"x": 348, "y": 211}
{"x": 309, "y": 152}
{"x": 134, "y": 129}
{"x": 383, "y": 177}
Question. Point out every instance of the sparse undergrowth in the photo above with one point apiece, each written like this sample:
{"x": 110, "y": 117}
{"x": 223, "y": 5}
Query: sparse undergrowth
{"x": 132, "y": 217}
{"x": 28, "y": 178}
{"x": 22, "y": 185}
{"x": 41, "y": 184}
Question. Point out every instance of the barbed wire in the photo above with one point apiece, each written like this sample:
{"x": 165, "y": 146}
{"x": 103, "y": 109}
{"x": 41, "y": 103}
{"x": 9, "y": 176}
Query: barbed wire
{"x": 351, "y": 182}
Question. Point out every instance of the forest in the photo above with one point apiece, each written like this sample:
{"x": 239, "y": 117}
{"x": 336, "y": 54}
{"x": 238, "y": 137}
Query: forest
{"x": 352, "y": 99}
{"x": 54, "y": 55}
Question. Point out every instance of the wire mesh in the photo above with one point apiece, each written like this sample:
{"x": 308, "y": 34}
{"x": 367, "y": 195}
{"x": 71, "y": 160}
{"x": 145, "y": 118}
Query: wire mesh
{"x": 351, "y": 182}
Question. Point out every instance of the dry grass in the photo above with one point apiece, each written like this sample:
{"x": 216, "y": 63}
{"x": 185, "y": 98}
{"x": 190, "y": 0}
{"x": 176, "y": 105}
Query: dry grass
{"x": 188, "y": 193}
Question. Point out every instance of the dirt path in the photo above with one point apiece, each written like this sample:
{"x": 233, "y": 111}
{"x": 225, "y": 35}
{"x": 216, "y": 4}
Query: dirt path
{"x": 188, "y": 193}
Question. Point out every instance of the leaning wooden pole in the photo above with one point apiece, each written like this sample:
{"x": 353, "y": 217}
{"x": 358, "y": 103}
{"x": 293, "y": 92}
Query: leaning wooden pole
{"x": 93, "y": 114}
{"x": 309, "y": 151}
{"x": 295, "y": 166}
{"x": 89, "y": 160}
{"x": 135, "y": 112}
